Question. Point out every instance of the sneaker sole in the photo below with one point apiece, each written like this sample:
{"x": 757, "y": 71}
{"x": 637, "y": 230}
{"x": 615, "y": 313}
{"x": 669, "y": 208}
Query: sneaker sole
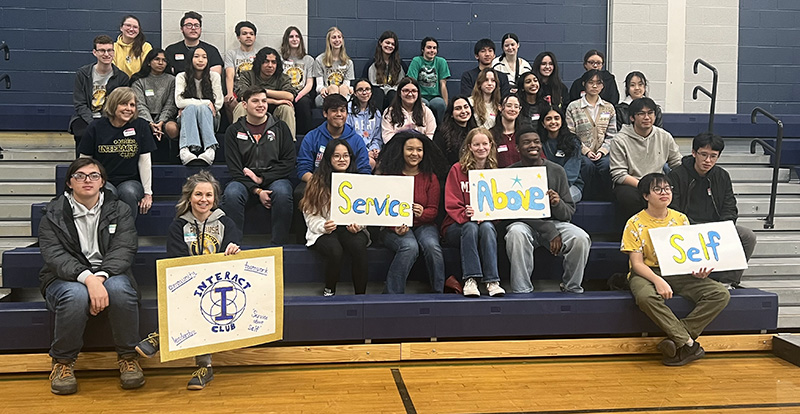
{"x": 140, "y": 352}
{"x": 497, "y": 295}
{"x": 198, "y": 387}
{"x": 132, "y": 386}
{"x": 63, "y": 392}
{"x": 694, "y": 357}
{"x": 667, "y": 348}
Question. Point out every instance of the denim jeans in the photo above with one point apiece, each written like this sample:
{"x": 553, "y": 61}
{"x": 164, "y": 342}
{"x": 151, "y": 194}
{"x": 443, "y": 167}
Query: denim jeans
{"x": 438, "y": 106}
{"x": 407, "y": 249}
{"x": 129, "y": 192}
{"x": 236, "y": 197}
{"x": 478, "y": 243}
{"x": 69, "y": 301}
{"x": 521, "y": 240}
{"x": 596, "y": 178}
{"x": 576, "y": 193}
{"x": 197, "y": 127}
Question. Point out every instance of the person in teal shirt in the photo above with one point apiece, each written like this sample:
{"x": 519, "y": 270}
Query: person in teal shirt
{"x": 432, "y": 72}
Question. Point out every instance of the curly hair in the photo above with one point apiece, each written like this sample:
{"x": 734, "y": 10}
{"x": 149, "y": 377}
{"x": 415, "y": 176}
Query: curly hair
{"x": 317, "y": 197}
{"x": 391, "y": 160}
{"x": 261, "y": 57}
{"x": 206, "y": 90}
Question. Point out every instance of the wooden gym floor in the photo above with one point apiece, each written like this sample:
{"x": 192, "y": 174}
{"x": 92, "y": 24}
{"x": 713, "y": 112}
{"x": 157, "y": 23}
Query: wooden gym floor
{"x": 727, "y": 382}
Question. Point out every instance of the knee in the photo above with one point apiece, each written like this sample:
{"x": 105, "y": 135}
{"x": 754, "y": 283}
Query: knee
{"x": 487, "y": 230}
{"x": 130, "y": 190}
{"x": 515, "y": 238}
{"x": 119, "y": 289}
{"x": 469, "y": 229}
{"x": 281, "y": 190}
{"x": 235, "y": 192}
{"x": 409, "y": 246}
{"x": 74, "y": 299}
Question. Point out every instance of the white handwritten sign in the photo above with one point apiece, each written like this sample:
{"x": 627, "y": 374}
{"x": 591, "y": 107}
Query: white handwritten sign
{"x": 372, "y": 200}
{"x": 509, "y": 193}
{"x": 685, "y": 249}
{"x": 214, "y": 303}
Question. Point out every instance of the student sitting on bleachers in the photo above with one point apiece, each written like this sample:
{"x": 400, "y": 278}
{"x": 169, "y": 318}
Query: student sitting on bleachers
{"x": 87, "y": 240}
{"x": 237, "y": 61}
{"x": 556, "y": 234}
{"x": 365, "y": 118}
{"x": 261, "y": 157}
{"x": 484, "y": 54}
{"x": 385, "y": 69}
{"x": 410, "y": 153}
{"x": 198, "y": 96}
{"x": 477, "y": 240}
{"x": 594, "y": 60}
{"x": 530, "y": 99}
{"x": 155, "y": 98}
{"x": 333, "y": 68}
{"x": 199, "y": 228}
{"x": 562, "y": 147}
{"x": 551, "y": 88}
{"x": 651, "y": 290}
{"x": 635, "y": 88}
{"x": 268, "y": 73}
{"x": 458, "y": 120}
{"x": 407, "y": 112}
{"x": 638, "y": 150}
{"x": 703, "y": 191}
{"x": 298, "y": 65}
{"x": 504, "y": 131}
{"x": 179, "y": 54}
{"x": 122, "y": 143}
{"x": 93, "y": 83}
{"x": 485, "y": 98}
{"x": 509, "y": 62}
{"x": 323, "y": 235}
{"x": 432, "y": 72}
{"x": 131, "y": 46}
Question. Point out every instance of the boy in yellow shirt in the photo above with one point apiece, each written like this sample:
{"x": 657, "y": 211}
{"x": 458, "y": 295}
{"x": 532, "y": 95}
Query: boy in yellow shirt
{"x": 651, "y": 290}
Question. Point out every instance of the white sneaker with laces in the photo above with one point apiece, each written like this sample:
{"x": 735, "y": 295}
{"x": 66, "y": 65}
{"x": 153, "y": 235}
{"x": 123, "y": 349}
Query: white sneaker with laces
{"x": 495, "y": 289}
{"x": 186, "y": 155}
{"x": 471, "y": 288}
{"x": 208, "y": 155}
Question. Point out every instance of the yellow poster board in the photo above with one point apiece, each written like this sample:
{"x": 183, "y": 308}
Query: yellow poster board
{"x": 214, "y": 303}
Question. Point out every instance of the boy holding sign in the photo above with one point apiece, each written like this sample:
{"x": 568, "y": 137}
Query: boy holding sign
{"x": 651, "y": 290}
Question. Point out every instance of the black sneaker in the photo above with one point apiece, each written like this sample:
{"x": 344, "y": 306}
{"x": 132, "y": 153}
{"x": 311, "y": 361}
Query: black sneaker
{"x": 667, "y": 348}
{"x": 62, "y": 377}
{"x": 685, "y": 355}
{"x": 148, "y": 347}
{"x": 200, "y": 378}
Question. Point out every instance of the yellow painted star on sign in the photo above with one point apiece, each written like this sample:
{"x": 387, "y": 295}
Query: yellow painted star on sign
{"x": 487, "y": 214}
{"x": 539, "y": 176}
{"x": 481, "y": 175}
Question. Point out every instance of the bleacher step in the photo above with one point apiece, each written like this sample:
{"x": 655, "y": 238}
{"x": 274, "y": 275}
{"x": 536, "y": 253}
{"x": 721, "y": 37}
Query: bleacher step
{"x": 741, "y": 188}
{"x": 766, "y": 268}
{"x": 15, "y": 228}
{"x": 785, "y": 205}
{"x": 60, "y": 155}
{"x": 788, "y": 316}
{"x": 28, "y": 189}
{"x": 19, "y": 208}
{"x": 788, "y": 291}
{"x": 739, "y": 158}
{"x": 781, "y": 223}
{"x": 757, "y": 174}
{"x": 28, "y": 171}
{"x": 774, "y": 245}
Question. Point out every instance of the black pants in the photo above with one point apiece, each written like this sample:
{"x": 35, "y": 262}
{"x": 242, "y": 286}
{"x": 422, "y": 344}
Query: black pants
{"x": 629, "y": 202}
{"x": 302, "y": 112}
{"x": 78, "y": 128}
{"x": 333, "y": 246}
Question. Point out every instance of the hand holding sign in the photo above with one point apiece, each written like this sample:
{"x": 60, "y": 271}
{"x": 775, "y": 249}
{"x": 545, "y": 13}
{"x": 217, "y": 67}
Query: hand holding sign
{"x": 372, "y": 200}
{"x": 510, "y": 193}
{"x": 698, "y": 249}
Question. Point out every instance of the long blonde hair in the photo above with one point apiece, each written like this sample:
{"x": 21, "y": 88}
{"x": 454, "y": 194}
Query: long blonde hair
{"x": 327, "y": 58}
{"x": 467, "y": 159}
{"x": 477, "y": 95}
{"x": 184, "y": 204}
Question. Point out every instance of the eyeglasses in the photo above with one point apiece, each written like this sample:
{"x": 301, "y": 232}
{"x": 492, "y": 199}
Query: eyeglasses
{"x": 79, "y": 176}
{"x": 341, "y": 157}
{"x": 646, "y": 113}
{"x": 595, "y": 63}
{"x": 594, "y": 83}
{"x": 191, "y": 25}
{"x": 409, "y": 91}
{"x": 105, "y": 51}
{"x": 662, "y": 190}
{"x": 706, "y": 156}
{"x": 363, "y": 90}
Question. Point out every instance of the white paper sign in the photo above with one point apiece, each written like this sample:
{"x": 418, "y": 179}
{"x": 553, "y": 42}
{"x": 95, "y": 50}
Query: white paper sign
{"x": 509, "y": 193}
{"x": 214, "y": 303}
{"x": 685, "y": 249}
{"x": 372, "y": 200}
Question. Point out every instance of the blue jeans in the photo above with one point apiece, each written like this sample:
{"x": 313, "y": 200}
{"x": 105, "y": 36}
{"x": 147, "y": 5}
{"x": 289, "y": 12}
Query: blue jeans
{"x": 576, "y": 193}
{"x": 197, "y": 128}
{"x": 438, "y": 106}
{"x": 236, "y": 197}
{"x": 521, "y": 240}
{"x": 596, "y": 178}
{"x": 69, "y": 301}
{"x": 478, "y": 243}
{"x": 129, "y": 192}
{"x": 406, "y": 250}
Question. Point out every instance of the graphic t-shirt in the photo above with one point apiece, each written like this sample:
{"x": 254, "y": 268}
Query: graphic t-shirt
{"x": 257, "y": 131}
{"x": 636, "y": 236}
{"x": 99, "y": 82}
{"x": 429, "y": 74}
{"x": 240, "y": 60}
{"x": 298, "y": 70}
{"x": 335, "y": 74}
{"x": 118, "y": 149}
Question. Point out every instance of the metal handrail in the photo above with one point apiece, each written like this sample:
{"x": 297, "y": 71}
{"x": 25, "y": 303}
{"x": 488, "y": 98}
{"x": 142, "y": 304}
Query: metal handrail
{"x": 769, "y": 221}
{"x": 7, "y": 79}
{"x": 712, "y": 94}
{"x": 4, "y": 46}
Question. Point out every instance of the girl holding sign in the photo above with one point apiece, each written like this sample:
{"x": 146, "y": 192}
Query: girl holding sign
{"x": 651, "y": 290}
{"x": 322, "y": 234}
{"x": 410, "y": 153}
{"x": 199, "y": 228}
{"x": 477, "y": 239}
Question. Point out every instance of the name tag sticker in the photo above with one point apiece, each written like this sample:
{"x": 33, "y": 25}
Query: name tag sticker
{"x": 241, "y": 135}
{"x": 178, "y": 56}
{"x": 112, "y": 228}
{"x": 129, "y": 132}
{"x": 502, "y": 148}
{"x": 149, "y": 92}
{"x": 189, "y": 237}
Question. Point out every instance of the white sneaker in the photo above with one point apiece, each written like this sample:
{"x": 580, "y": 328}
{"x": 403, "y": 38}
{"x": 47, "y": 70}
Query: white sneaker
{"x": 208, "y": 155}
{"x": 495, "y": 289}
{"x": 471, "y": 288}
{"x": 186, "y": 155}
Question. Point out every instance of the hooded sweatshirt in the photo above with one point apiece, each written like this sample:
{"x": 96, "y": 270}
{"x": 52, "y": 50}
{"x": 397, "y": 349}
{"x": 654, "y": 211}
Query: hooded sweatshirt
{"x": 703, "y": 199}
{"x": 316, "y": 140}
{"x": 189, "y": 236}
{"x": 271, "y": 157}
{"x": 124, "y": 59}
{"x": 636, "y": 156}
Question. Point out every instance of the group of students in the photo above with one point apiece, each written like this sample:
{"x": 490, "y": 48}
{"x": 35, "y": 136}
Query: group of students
{"x": 88, "y": 238}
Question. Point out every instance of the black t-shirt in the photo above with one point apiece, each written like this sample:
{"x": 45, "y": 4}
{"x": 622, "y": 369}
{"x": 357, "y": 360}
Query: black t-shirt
{"x": 179, "y": 55}
{"x": 118, "y": 149}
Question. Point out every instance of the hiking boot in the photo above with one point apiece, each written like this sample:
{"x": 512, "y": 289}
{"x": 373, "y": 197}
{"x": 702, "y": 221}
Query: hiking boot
{"x": 148, "y": 347}
{"x": 685, "y": 355}
{"x": 62, "y": 377}
{"x": 667, "y": 348}
{"x": 495, "y": 289}
{"x": 130, "y": 372}
{"x": 471, "y": 288}
{"x": 201, "y": 377}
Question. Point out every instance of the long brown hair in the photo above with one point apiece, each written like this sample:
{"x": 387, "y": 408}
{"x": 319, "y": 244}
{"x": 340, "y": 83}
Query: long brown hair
{"x": 387, "y": 73}
{"x": 468, "y": 161}
{"x": 317, "y": 197}
{"x": 396, "y": 108}
{"x": 286, "y": 51}
{"x": 477, "y": 95}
